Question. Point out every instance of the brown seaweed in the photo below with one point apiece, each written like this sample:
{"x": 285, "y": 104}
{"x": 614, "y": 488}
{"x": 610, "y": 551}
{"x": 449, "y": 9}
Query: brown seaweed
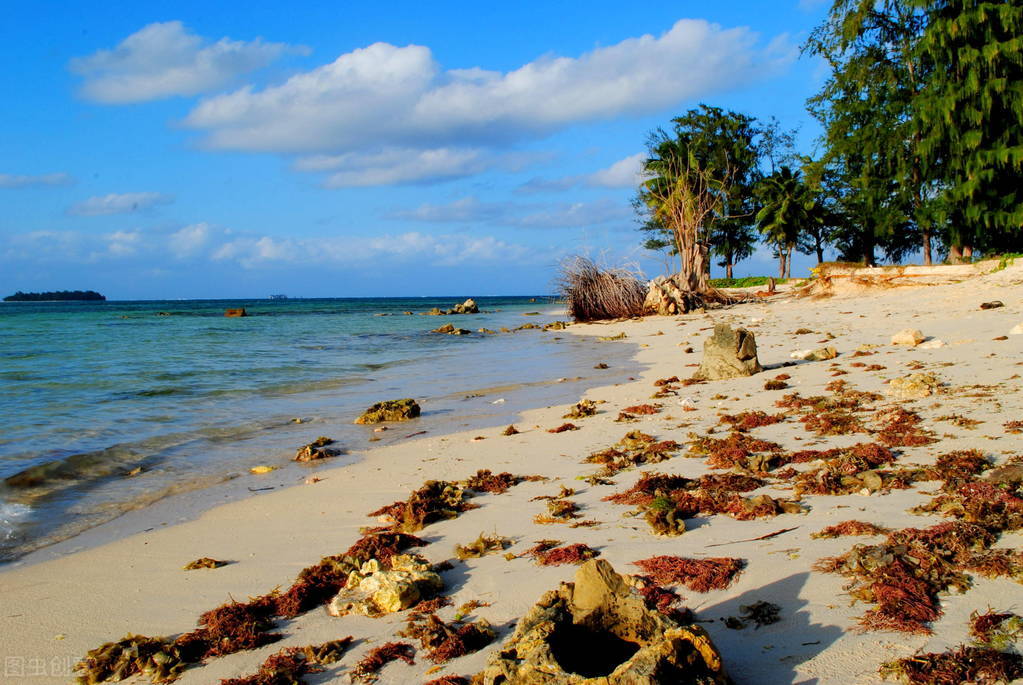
{"x": 959, "y": 665}
{"x": 366, "y": 670}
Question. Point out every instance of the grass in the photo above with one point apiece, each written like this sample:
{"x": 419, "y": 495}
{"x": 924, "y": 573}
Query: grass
{"x": 745, "y": 282}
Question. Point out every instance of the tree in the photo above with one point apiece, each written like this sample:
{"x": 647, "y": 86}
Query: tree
{"x": 682, "y": 196}
{"x": 970, "y": 114}
{"x": 872, "y": 139}
{"x": 717, "y": 150}
{"x": 789, "y": 205}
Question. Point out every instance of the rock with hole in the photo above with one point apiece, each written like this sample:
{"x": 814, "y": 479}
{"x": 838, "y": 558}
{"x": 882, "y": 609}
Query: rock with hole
{"x": 598, "y": 630}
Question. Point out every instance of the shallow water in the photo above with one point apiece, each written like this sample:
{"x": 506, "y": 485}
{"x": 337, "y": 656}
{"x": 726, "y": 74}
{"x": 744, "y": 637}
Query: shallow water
{"x": 185, "y": 398}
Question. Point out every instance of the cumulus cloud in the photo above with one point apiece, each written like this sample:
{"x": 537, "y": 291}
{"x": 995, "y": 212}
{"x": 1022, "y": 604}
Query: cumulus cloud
{"x": 625, "y": 173}
{"x": 553, "y": 215}
{"x": 207, "y": 243}
{"x": 389, "y": 112}
{"x": 164, "y": 60}
{"x": 119, "y": 203}
{"x": 23, "y": 181}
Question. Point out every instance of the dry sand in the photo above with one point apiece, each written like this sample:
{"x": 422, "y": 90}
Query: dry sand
{"x": 53, "y": 611}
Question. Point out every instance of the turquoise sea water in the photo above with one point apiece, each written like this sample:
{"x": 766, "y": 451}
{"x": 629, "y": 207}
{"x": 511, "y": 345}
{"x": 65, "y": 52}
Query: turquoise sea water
{"x": 110, "y": 406}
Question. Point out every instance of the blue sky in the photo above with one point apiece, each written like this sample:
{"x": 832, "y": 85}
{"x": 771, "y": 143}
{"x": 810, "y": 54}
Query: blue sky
{"x": 184, "y": 150}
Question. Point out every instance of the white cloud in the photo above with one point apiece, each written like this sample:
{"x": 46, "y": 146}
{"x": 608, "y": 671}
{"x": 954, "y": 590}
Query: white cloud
{"x": 552, "y": 215}
{"x": 163, "y": 60}
{"x": 392, "y": 114}
{"x": 189, "y": 240}
{"x": 123, "y": 203}
{"x": 625, "y": 173}
{"x": 22, "y": 181}
{"x": 207, "y": 243}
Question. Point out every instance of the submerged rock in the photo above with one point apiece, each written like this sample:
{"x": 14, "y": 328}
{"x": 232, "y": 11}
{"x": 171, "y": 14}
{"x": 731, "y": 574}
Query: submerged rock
{"x": 598, "y": 630}
{"x": 235, "y": 312}
{"x": 390, "y": 410}
{"x": 728, "y": 353}
{"x": 316, "y": 450}
{"x": 467, "y": 307}
{"x": 372, "y": 591}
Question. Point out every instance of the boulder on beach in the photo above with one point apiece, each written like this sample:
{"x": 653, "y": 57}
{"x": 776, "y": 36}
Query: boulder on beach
{"x": 598, "y": 629}
{"x": 909, "y": 337}
{"x": 914, "y": 386}
{"x": 728, "y": 353}
{"x": 390, "y": 410}
{"x": 372, "y": 591}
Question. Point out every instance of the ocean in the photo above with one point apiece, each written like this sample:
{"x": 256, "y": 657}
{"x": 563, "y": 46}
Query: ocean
{"x": 109, "y": 407}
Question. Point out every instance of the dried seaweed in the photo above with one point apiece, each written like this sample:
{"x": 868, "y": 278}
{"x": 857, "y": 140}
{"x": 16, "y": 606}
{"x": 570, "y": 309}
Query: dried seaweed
{"x": 748, "y": 420}
{"x": 563, "y": 427}
{"x": 131, "y": 655}
{"x": 698, "y": 575}
{"x": 446, "y": 641}
{"x": 663, "y": 600}
{"x": 449, "y": 680}
{"x": 643, "y": 409}
{"x": 287, "y": 666}
{"x": 833, "y": 422}
{"x": 775, "y": 384}
{"x": 436, "y": 500}
{"x": 759, "y": 613}
{"x": 547, "y": 554}
{"x": 738, "y": 450}
{"x": 204, "y": 562}
{"x": 959, "y": 665}
{"x": 482, "y": 546}
{"x": 851, "y": 528}
{"x": 634, "y": 449}
{"x": 1014, "y": 427}
{"x": 581, "y": 410}
{"x": 904, "y": 574}
{"x": 901, "y": 428}
{"x": 367, "y": 669}
{"x": 997, "y": 630}
{"x": 510, "y": 430}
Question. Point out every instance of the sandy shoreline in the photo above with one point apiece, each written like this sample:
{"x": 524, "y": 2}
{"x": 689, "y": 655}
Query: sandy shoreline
{"x": 54, "y": 611}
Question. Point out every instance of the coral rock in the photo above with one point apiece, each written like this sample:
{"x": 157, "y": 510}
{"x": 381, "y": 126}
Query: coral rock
{"x": 729, "y": 353}
{"x": 914, "y": 386}
{"x": 372, "y": 591}
{"x": 909, "y": 337}
{"x": 598, "y": 630}
{"x": 391, "y": 410}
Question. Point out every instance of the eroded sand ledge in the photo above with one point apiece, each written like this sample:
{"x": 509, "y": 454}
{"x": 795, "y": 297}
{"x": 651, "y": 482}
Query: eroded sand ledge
{"x": 137, "y": 585}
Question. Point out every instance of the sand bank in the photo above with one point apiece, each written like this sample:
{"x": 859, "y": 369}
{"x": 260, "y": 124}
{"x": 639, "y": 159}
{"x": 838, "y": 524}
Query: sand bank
{"x": 54, "y": 611}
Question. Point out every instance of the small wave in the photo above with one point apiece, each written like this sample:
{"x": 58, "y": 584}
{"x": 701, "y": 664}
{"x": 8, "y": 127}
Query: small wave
{"x": 162, "y": 392}
{"x": 11, "y": 515}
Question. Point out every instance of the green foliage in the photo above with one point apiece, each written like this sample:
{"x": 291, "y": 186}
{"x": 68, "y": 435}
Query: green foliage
{"x": 970, "y": 114}
{"x": 745, "y": 282}
{"x": 59, "y": 295}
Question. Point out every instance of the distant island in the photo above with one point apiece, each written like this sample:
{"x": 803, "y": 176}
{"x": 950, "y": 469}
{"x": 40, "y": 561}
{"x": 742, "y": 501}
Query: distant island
{"x": 58, "y": 296}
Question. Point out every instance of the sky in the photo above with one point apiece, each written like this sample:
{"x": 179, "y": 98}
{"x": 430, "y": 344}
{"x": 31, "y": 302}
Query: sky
{"x": 164, "y": 150}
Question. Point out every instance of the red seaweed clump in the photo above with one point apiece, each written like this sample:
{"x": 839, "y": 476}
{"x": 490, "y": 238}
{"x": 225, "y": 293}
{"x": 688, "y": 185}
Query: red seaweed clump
{"x": 436, "y": 500}
{"x": 643, "y": 409}
{"x": 748, "y": 420}
{"x": 287, "y": 666}
{"x": 738, "y": 450}
{"x": 547, "y": 553}
{"x": 447, "y": 641}
{"x": 449, "y": 680}
{"x": 901, "y": 428}
{"x": 959, "y": 665}
{"x": 851, "y": 528}
{"x": 379, "y": 657}
{"x": 563, "y": 427}
{"x": 698, "y": 575}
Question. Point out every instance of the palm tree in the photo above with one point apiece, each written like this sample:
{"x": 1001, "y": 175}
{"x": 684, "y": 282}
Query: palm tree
{"x": 789, "y": 208}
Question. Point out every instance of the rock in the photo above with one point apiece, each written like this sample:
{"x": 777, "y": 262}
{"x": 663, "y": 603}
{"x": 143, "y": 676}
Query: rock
{"x": 994, "y": 304}
{"x": 932, "y": 344}
{"x": 316, "y": 450}
{"x": 372, "y": 591}
{"x": 235, "y": 312}
{"x": 729, "y": 353}
{"x": 390, "y": 410}
{"x": 909, "y": 336}
{"x": 1017, "y": 329}
{"x": 434, "y": 312}
{"x": 823, "y": 354}
{"x": 451, "y": 330}
{"x": 486, "y": 331}
{"x": 801, "y": 354}
{"x": 914, "y": 386}
{"x": 555, "y": 326}
{"x": 599, "y": 630}
{"x": 467, "y": 307}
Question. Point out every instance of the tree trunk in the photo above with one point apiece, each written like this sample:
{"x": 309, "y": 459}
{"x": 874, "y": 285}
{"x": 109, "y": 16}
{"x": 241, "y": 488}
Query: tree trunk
{"x": 781, "y": 262}
{"x": 728, "y": 270}
{"x": 967, "y": 253}
{"x": 926, "y": 234}
{"x": 955, "y": 253}
{"x": 868, "y": 249}
{"x": 820, "y": 253}
{"x": 788, "y": 263}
